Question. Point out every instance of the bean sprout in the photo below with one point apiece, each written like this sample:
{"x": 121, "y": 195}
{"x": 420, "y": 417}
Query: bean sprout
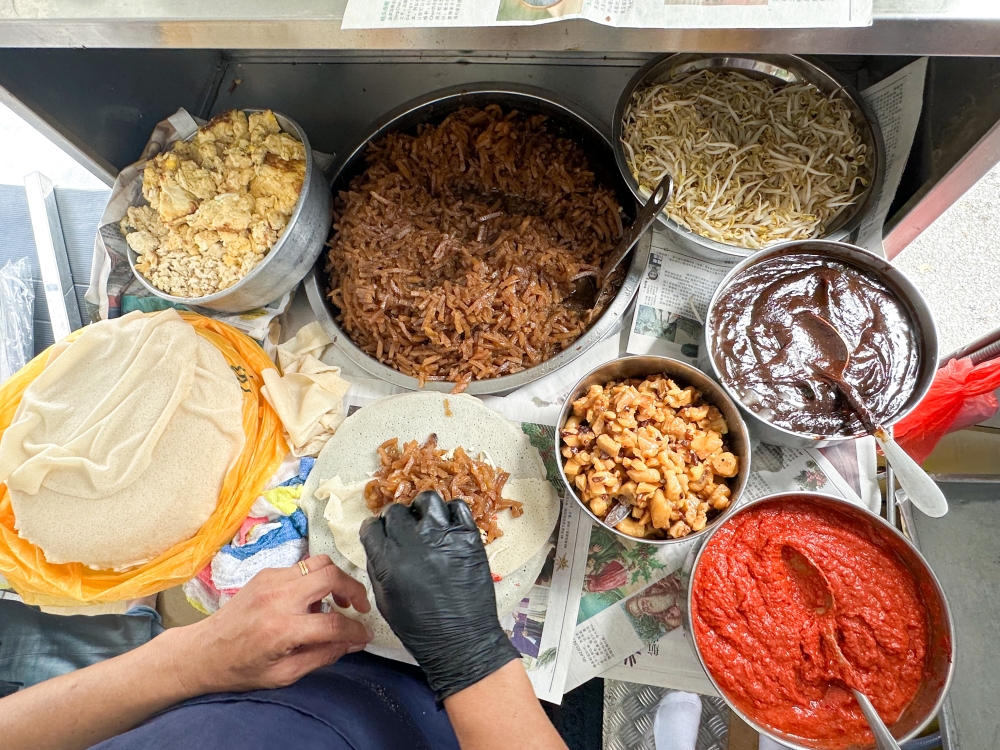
{"x": 752, "y": 164}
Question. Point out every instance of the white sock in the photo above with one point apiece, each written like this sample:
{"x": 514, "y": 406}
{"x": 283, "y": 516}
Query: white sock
{"x": 677, "y": 720}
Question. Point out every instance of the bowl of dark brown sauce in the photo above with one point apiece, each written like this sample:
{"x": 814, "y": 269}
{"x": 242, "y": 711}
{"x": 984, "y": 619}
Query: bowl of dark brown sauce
{"x": 762, "y": 353}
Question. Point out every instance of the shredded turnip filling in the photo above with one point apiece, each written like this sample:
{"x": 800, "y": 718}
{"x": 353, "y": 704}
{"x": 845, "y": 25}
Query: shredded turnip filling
{"x": 454, "y": 474}
{"x": 455, "y": 254}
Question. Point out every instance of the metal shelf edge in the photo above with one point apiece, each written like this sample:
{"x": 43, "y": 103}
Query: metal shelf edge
{"x": 895, "y": 34}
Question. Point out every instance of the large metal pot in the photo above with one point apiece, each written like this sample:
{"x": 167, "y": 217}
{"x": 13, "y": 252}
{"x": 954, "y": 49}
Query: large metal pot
{"x": 571, "y": 121}
{"x": 779, "y": 69}
{"x": 892, "y": 277}
{"x": 683, "y": 374}
{"x": 940, "y": 660}
{"x": 292, "y": 255}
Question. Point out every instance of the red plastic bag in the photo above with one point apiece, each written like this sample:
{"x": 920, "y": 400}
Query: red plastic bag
{"x": 960, "y": 396}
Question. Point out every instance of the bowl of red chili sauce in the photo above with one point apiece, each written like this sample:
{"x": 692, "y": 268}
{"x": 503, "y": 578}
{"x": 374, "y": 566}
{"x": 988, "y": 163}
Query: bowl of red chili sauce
{"x": 767, "y": 649}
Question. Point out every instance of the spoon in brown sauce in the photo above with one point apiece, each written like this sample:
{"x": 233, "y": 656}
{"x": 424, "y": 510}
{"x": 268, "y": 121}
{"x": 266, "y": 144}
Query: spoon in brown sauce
{"x": 919, "y": 487}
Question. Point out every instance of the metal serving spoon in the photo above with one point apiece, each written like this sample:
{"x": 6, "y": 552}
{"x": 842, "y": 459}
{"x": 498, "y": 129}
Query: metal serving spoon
{"x": 589, "y": 289}
{"x": 819, "y": 597}
{"x": 919, "y": 487}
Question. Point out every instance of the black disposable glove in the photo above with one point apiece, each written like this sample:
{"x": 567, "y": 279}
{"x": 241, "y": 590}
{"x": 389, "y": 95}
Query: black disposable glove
{"x": 433, "y": 586}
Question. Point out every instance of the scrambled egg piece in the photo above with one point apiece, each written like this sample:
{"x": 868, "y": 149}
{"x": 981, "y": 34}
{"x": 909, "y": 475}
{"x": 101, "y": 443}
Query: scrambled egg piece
{"x": 217, "y": 204}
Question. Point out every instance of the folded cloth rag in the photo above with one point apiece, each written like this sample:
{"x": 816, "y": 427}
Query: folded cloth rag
{"x": 229, "y": 572}
{"x": 204, "y": 597}
{"x": 274, "y": 535}
{"x": 286, "y": 529}
{"x": 308, "y": 394}
{"x": 306, "y": 464}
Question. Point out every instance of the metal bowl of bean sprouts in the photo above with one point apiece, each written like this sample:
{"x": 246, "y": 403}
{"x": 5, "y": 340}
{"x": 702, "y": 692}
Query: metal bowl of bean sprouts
{"x": 761, "y": 148}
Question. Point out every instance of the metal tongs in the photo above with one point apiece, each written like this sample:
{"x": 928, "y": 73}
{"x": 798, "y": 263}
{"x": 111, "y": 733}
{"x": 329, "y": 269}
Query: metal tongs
{"x": 590, "y": 289}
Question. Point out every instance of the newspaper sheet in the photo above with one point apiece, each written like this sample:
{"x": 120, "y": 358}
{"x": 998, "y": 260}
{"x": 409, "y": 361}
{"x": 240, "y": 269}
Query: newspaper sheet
{"x": 542, "y": 624}
{"x": 673, "y": 301}
{"x": 632, "y": 594}
{"x": 897, "y": 102}
{"x": 541, "y": 627}
{"x": 656, "y": 14}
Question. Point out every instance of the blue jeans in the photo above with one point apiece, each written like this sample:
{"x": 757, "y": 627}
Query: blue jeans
{"x": 36, "y": 646}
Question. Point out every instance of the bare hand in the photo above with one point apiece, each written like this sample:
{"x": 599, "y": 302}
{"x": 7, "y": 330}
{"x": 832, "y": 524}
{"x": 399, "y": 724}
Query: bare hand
{"x": 271, "y": 633}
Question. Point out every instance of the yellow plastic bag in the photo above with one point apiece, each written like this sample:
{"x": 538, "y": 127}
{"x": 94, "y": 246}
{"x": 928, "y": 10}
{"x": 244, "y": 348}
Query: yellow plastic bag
{"x": 42, "y": 583}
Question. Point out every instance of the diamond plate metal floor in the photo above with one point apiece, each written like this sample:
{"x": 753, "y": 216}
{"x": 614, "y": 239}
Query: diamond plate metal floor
{"x": 628, "y": 718}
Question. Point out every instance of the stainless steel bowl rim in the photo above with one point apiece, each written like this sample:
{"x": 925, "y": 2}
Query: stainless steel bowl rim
{"x": 913, "y": 296}
{"x": 256, "y": 270}
{"x": 820, "y": 496}
{"x": 777, "y": 63}
{"x": 315, "y": 281}
{"x": 718, "y": 395}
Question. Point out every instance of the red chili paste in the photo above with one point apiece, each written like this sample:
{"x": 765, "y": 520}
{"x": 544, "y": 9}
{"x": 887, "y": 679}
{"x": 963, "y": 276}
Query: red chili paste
{"x": 761, "y": 640}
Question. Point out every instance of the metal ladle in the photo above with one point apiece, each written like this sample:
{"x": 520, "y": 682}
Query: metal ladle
{"x": 589, "y": 289}
{"x": 815, "y": 589}
{"x": 919, "y": 487}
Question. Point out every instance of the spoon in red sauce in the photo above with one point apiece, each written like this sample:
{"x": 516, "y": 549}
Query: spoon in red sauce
{"x": 918, "y": 486}
{"x": 818, "y": 595}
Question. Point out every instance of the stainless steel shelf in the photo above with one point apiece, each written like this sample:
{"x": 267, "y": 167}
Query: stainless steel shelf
{"x": 902, "y": 27}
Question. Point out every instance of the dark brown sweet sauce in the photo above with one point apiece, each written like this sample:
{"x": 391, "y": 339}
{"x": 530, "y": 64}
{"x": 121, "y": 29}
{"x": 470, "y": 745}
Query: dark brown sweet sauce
{"x": 770, "y": 359}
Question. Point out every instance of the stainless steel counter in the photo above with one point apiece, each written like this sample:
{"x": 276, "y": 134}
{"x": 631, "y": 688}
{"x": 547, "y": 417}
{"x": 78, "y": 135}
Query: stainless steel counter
{"x": 903, "y": 27}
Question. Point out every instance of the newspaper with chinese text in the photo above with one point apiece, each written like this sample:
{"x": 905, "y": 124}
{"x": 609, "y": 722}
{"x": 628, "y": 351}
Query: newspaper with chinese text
{"x": 897, "y": 102}
{"x": 655, "y": 14}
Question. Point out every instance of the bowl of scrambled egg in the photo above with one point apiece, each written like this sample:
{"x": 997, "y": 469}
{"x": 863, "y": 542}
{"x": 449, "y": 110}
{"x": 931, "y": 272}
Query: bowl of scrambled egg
{"x": 232, "y": 217}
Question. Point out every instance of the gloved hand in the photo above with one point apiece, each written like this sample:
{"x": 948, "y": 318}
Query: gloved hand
{"x": 433, "y": 586}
